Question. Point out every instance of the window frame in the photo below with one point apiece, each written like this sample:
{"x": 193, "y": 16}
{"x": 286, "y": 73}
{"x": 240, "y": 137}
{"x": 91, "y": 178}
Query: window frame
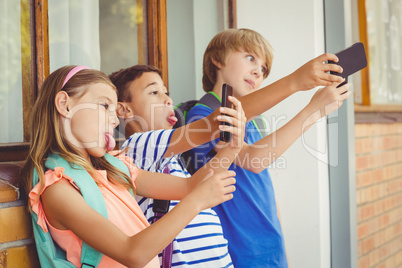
{"x": 157, "y": 36}
{"x": 366, "y": 112}
{"x": 37, "y": 66}
{"x": 10, "y": 152}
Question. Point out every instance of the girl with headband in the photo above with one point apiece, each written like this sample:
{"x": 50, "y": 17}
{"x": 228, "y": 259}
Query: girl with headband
{"x": 71, "y": 132}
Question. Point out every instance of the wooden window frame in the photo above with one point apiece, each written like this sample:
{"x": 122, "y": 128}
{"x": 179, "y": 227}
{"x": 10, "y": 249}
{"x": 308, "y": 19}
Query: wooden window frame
{"x": 157, "y": 36}
{"x": 366, "y": 112}
{"x": 157, "y": 33}
{"x": 37, "y": 67}
{"x": 33, "y": 74}
{"x": 232, "y": 13}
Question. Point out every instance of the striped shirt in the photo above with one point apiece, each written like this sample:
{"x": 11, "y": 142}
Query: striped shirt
{"x": 201, "y": 243}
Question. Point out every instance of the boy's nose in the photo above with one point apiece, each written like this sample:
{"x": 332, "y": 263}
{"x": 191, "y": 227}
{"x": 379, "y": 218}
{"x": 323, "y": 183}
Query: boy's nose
{"x": 257, "y": 71}
{"x": 169, "y": 102}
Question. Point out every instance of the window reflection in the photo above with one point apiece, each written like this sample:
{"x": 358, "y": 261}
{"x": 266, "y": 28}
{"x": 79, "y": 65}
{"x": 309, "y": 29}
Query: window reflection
{"x": 102, "y": 34}
{"x": 11, "y": 117}
{"x": 384, "y": 25}
{"x": 123, "y": 40}
{"x": 188, "y": 36}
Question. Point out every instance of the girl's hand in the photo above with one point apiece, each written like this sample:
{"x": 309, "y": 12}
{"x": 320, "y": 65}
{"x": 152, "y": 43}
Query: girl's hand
{"x": 315, "y": 73}
{"x": 237, "y": 118}
{"x": 213, "y": 190}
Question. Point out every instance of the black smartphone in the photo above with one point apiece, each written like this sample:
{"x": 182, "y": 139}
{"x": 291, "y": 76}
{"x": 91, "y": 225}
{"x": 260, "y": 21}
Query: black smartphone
{"x": 226, "y": 92}
{"x": 351, "y": 59}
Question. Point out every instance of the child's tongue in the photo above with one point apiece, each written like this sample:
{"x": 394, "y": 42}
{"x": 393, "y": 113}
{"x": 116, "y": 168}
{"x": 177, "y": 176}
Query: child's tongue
{"x": 110, "y": 142}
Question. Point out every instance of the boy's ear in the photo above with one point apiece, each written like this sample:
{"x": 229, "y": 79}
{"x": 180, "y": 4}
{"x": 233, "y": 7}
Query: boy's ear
{"x": 63, "y": 102}
{"x": 216, "y": 63}
{"x": 123, "y": 110}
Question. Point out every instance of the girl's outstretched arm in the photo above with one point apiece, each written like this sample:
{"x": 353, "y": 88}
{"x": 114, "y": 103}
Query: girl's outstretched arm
{"x": 137, "y": 250}
{"x": 204, "y": 130}
{"x": 167, "y": 187}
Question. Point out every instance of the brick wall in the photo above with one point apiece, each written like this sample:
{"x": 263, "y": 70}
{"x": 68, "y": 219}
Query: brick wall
{"x": 379, "y": 194}
{"x": 17, "y": 248}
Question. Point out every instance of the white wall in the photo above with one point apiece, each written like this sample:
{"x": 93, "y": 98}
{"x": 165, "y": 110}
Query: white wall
{"x": 188, "y": 36}
{"x": 295, "y": 29}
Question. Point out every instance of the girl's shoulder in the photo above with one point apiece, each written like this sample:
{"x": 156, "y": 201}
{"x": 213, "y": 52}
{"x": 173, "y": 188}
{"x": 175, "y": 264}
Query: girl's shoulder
{"x": 51, "y": 177}
{"x": 128, "y": 161}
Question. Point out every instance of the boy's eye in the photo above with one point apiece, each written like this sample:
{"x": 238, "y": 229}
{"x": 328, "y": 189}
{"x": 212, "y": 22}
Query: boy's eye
{"x": 154, "y": 92}
{"x": 105, "y": 105}
{"x": 250, "y": 58}
{"x": 263, "y": 70}
{"x": 167, "y": 94}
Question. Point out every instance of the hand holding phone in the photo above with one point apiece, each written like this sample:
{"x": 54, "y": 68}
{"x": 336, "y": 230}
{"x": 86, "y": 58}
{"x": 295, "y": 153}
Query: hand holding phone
{"x": 351, "y": 59}
{"x": 226, "y": 92}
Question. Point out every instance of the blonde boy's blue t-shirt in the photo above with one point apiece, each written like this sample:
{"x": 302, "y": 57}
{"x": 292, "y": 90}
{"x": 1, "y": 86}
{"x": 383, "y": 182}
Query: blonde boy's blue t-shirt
{"x": 250, "y": 220}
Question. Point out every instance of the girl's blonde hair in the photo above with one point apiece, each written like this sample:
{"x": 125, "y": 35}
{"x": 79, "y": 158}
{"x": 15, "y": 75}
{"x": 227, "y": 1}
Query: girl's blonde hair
{"x": 45, "y": 129}
{"x": 228, "y": 41}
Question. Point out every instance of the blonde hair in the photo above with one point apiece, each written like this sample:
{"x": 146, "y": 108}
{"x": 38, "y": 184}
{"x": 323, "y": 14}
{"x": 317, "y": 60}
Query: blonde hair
{"x": 45, "y": 129}
{"x": 225, "y": 42}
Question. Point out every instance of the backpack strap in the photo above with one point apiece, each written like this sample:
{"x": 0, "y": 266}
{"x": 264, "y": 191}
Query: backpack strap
{"x": 181, "y": 111}
{"x": 160, "y": 208}
{"x": 213, "y": 101}
{"x": 210, "y": 100}
{"x": 82, "y": 179}
{"x": 93, "y": 197}
{"x": 50, "y": 254}
{"x": 120, "y": 165}
{"x": 260, "y": 125}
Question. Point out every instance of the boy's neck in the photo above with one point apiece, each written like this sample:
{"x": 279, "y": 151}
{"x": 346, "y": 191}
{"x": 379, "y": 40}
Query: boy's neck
{"x": 131, "y": 128}
{"x": 217, "y": 89}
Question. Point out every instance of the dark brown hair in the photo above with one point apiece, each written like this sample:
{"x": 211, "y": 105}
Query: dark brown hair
{"x": 123, "y": 78}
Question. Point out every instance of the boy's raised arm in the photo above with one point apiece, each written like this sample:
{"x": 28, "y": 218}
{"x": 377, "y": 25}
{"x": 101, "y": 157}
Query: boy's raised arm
{"x": 312, "y": 74}
{"x": 262, "y": 153}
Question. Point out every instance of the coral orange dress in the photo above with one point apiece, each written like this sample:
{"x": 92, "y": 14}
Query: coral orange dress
{"x": 123, "y": 211}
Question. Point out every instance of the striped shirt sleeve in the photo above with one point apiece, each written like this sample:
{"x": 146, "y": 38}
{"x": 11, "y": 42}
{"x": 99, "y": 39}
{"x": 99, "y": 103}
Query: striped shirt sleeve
{"x": 148, "y": 148}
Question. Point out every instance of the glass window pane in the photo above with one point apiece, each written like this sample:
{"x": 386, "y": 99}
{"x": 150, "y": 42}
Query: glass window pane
{"x": 102, "y": 34}
{"x": 11, "y": 116}
{"x": 123, "y": 34}
{"x": 73, "y": 33}
{"x": 188, "y": 36}
{"x": 384, "y": 27}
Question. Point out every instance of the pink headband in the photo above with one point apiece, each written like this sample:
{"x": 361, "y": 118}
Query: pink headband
{"x": 73, "y": 71}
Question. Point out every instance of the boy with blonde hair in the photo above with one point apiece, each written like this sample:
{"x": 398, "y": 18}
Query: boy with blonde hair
{"x": 242, "y": 58}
